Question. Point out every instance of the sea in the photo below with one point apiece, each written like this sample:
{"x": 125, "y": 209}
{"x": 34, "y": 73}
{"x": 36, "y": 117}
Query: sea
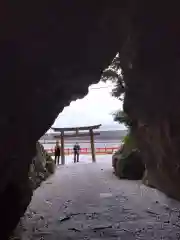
{"x": 83, "y": 144}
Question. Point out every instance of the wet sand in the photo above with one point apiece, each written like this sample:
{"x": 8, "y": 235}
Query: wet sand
{"x": 86, "y": 201}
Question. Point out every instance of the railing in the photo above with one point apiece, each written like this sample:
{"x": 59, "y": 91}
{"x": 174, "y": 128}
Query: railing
{"x": 69, "y": 151}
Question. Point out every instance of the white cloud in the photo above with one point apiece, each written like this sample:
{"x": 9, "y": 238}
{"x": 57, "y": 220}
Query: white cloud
{"x": 95, "y": 108}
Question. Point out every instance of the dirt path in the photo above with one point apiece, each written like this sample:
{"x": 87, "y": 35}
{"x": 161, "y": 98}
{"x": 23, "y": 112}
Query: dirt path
{"x": 85, "y": 201}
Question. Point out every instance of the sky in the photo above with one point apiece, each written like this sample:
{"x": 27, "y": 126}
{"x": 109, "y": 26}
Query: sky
{"x": 95, "y": 108}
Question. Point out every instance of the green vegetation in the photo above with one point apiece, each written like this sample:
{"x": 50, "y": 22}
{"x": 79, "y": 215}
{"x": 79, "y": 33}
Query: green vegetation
{"x": 129, "y": 164}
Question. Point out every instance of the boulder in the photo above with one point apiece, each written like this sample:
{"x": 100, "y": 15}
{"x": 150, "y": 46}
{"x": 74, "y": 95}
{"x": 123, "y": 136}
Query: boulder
{"x": 41, "y": 168}
{"x": 130, "y": 167}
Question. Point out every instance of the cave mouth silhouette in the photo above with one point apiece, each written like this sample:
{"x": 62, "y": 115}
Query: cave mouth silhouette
{"x": 50, "y": 54}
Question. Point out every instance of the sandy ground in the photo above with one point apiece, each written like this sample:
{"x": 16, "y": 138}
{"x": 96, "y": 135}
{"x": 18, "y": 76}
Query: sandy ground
{"x": 86, "y": 201}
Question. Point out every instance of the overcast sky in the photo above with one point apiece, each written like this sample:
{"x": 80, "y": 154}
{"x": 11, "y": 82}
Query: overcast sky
{"x": 95, "y": 108}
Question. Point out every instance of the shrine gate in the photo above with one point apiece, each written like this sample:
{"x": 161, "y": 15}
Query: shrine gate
{"x": 77, "y": 133}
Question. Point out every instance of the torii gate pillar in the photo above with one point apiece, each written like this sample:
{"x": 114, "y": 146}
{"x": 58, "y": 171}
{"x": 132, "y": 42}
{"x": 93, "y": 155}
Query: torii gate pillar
{"x": 62, "y": 148}
{"x": 92, "y": 145}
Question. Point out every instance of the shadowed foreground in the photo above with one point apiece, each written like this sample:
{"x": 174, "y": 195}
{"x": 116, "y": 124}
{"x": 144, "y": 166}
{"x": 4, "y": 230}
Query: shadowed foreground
{"x": 85, "y": 201}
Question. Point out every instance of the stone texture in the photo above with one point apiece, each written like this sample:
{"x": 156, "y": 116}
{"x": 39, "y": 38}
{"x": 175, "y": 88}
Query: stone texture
{"x": 50, "y": 54}
{"x": 23, "y": 192}
{"x": 130, "y": 167}
{"x": 41, "y": 167}
{"x": 153, "y": 47}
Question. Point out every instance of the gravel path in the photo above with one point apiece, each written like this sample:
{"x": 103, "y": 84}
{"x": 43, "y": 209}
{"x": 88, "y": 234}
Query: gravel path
{"x": 86, "y": 201}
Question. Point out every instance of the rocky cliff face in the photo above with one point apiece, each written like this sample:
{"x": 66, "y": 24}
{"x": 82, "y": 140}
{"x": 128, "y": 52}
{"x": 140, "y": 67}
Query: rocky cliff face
{"x": 41, "y": 167}
{"x": 151, "y": 74}
{"x": 50, "y": 54}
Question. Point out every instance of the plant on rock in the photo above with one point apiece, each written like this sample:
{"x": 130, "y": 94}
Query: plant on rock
{"x": 128, "y": 160}
{"x": 129, "y": 164}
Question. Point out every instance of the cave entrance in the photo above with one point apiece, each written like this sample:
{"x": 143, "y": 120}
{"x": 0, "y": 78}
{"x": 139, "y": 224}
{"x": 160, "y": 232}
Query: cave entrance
{"x": 78, "y": 132}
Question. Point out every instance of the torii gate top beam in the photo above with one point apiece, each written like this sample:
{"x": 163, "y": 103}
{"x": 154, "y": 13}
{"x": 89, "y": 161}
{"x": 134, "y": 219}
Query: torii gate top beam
{"x": 75, "y": 128}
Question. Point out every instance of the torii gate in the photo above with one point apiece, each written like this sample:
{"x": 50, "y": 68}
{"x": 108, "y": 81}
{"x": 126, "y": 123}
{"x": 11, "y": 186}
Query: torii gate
{"x": 76, "y": 130}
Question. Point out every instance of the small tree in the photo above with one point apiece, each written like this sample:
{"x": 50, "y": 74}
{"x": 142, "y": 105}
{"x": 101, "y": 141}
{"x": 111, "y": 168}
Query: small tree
{"x": 121, "y": 117}
{"x": 114, "y": 74}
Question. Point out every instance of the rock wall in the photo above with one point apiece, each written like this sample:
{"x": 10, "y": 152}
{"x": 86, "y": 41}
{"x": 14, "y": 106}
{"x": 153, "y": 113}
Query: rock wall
{"x": 50, "y": 54}
{"x": 151, "y": 73}
{"x": 41, "y": 167}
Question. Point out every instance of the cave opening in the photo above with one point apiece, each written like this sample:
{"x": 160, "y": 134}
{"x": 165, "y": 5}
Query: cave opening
{"x": 105, "y": 141}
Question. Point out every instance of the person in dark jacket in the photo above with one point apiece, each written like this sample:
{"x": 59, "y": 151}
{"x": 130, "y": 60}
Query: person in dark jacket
{"x": 76, "y": 149}
{"x": 57, "y": 153}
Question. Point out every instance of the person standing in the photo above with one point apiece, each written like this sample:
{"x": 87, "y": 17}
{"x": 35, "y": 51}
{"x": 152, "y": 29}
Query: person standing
{"x": 57, "y": 152}
{"x": 76, "y": 150}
